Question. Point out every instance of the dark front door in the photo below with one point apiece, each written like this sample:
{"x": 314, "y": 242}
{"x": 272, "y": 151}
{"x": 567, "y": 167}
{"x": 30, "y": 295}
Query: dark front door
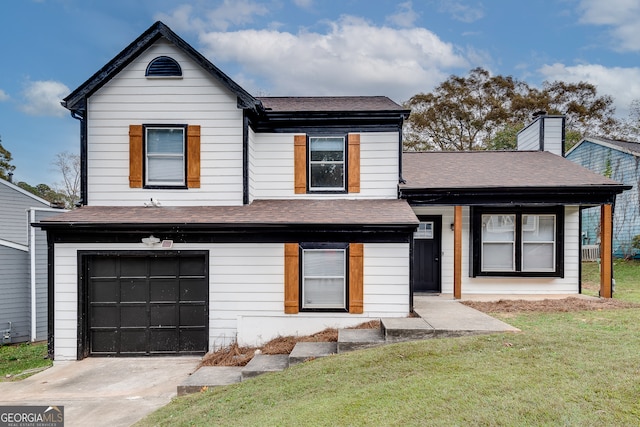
{"x": 152, "y": 304}
{"x": 427, "y": 255}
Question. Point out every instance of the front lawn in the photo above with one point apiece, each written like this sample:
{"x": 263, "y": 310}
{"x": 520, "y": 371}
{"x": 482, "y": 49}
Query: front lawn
{"x": 17, "y": 361}
{"x": 578, "y": 368}
{"x": 625, "y": 273}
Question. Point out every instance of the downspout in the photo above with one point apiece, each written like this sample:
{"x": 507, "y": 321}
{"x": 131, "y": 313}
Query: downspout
{"x": 32, "y": 273}
{"x": 78, "y": 115}
{"x": 401, "y": 150}
{"x": 245, "y": 158}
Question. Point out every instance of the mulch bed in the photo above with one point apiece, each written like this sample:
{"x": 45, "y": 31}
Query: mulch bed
{"x": 548, "y": 305}
{"x": 240, "y": 356}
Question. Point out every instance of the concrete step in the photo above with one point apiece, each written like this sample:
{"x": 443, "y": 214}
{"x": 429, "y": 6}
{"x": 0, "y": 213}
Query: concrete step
{"x": 263, "y": 363}
{"x": 406, "y": 329}
{"x": 304, "y": 351}
{"x": 357, "y": 339}
{"x": 210, "y": 376}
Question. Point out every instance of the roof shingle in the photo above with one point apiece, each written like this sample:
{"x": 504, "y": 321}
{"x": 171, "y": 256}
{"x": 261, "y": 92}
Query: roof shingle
{"x": 329, "y": 103}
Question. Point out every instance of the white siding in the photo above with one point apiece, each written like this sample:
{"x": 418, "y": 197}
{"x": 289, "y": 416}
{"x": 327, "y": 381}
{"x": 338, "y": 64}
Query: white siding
{"x": 196, "y": 99}
{"x": 246, "y": 292}
{"x": 252, "y": 161}
{"x": 529, "y": 137}
{"x": 272, "y": 167}
{"x": 553, "y": 135}
{"x": 506, "y": 285}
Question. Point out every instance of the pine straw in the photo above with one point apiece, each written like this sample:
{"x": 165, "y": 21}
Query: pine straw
{"x": 235, "y": 355}
{"x": 548, "y": 305}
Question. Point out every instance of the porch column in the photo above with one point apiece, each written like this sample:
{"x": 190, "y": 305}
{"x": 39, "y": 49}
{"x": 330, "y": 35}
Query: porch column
{"x": 606, "y": 249}
{"x": 457, "y": 252}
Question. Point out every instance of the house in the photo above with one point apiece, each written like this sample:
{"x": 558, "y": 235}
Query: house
{"x": 619, "y": 160}
{"x": 211, "y": 216}
{"x": 23, "y": 265}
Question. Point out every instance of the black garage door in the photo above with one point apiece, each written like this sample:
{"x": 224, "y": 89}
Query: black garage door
{"x": 152, "y": 304}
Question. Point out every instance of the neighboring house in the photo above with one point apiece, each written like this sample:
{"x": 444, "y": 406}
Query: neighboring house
{"x": 619, "y": 160}
{"x": 23, "y": 265}
{"x": 211, "y": 216}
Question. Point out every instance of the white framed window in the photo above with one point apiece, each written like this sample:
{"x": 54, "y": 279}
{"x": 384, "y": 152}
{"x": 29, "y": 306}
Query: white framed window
{"x": 326, "y": 160}
{"x": 424, "y": 231}
{"x": 538, "y": 242}
{"x": 324, "y": 278}
{"x": 519, "y": 241}
{"x": 165, "y": 155}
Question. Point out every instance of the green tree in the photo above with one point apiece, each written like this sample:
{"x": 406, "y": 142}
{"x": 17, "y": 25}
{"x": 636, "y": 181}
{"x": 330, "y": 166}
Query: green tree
{"x": 5, "y": 162}
{"x": 43, "y": 191}
{"x": 481, "y": 111}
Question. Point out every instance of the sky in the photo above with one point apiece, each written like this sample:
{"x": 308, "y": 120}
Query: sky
{"x": 307, "y": 48}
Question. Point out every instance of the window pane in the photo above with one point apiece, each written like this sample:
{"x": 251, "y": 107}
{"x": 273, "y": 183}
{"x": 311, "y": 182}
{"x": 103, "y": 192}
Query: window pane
{"x": 325, "y": 262}
{"x": 323, "y": 278}
{"x": 425, "y": 231}
{"x": 165, "y": 169}
{"x": 538, "y": 257}
{"x": 324, "y": 293}
{"x": 498, "y": 228}
{"x": 538, "y": 228}
{"x": 498, "y": 257}
{"x": 165, "y": 140}
{"x": 327, "y": 176}
{"x": 326, "y": 149}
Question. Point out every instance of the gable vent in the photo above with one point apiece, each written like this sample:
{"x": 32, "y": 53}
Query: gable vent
{"x": 163, "y": 66}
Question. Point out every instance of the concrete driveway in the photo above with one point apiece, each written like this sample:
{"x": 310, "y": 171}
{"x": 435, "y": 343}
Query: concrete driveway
{"x": 102, "y": 391}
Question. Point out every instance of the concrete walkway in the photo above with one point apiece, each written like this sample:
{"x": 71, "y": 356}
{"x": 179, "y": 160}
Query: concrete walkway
{"x": 102, "y": 391}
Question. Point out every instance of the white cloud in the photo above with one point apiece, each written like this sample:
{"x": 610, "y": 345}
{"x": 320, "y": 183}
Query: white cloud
{"x": 461, "y": 12}
{"x": 353, "y": 57}
{"x": 622, "y": 16}
{"x": 623, "y": 84}
{"x": 3, "y": 96}
{"x": 42, "y": 98}
{"x": 405, "y": 16}
{"x": 230, "y": 13}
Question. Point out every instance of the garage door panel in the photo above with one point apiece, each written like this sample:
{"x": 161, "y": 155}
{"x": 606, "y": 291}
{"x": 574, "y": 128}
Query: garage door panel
{"x": 130, "y": 266}
{"x": 192, "y": 340}
{"x": 104, "y": 316}
{"x": 134, "y": 315}
{"x": 193, "y": 289}
{"x": 153, "y": 303}
{"x": 163, "y": 315}
{"x": 163, "y": 340}
{"x": 163, "y": 266}
{"x": 133, "y": 341}
{"x": 104, "y": 290}
{"x": 134, "y": 290}
{"x": 104, "y": 341}
{"x": 192, "y": 266}
{"x": 191, "y": 315}
{"x": 163, "y": 290}
{"x": 103, "y": 267}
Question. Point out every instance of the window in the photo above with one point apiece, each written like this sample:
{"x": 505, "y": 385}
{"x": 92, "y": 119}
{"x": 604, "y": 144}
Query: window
{"x": 327, "y": 163}
{"x": 424, "y": 231}
{"x": 165, "y": 156}
{"x": 324, "y": 278}
{"x": 525, "y": 242}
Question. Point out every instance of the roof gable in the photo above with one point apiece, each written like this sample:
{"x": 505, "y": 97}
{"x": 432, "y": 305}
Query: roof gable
{"x": 24, "y": 193}
{"x": 76, "y": 101}
{"x": 628, "y": 147}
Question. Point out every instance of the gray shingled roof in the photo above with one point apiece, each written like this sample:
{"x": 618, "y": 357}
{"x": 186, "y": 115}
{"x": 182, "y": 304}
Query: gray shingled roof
{"x": 260, "y": 212}
{"x": 628, "y": 146}
{"x": 495, "y": 169}
{"x": 329, "y": 103}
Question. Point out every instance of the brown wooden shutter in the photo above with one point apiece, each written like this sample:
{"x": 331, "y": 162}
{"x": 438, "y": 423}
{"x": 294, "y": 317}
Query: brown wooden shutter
{"x": 291, "y": 278}
{"x": 300, "y": 163}
{"x": 356, "y": 278}
{"x": 354, "y": 163}
{"x": 193, "y": 156}
{"x": 135, "y": 156}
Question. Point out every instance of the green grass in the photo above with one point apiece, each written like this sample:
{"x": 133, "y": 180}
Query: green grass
{"x": 16, "y": 359}
{"x": 577, "y": 369}
{"x": 625, "y": 273}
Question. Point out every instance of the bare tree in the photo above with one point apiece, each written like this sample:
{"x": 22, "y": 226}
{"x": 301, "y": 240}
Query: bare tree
{"x": 68, "y": 164}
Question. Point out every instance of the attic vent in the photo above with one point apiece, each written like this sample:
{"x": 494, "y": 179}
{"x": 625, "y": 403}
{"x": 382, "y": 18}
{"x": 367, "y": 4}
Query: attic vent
{"x": 163, "y": 66}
